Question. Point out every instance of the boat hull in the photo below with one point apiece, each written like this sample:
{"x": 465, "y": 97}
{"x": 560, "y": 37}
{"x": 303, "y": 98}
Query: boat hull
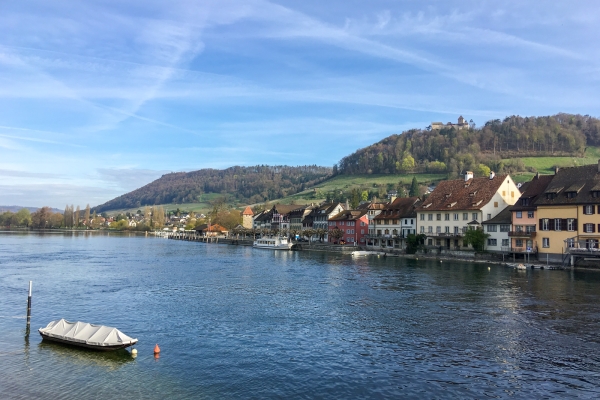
{"x": 87, "y": 346}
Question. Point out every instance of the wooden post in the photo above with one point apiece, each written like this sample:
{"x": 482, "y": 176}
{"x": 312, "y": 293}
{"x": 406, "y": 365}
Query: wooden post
{"x": 29, "y": 306}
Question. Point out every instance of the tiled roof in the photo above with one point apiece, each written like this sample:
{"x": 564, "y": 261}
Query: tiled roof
{"x": 247, "y": 211}
{"x": 580, "y": 181}
{"x": 372, "y": 206}
{"x": 503, "y": 217}
{"x": 534, "y": 189}
{"x": 349, "y": 215}
{"x": 286, "y": 208}
{"x": 402, "y": 207}
{"x": 460, "y": 195}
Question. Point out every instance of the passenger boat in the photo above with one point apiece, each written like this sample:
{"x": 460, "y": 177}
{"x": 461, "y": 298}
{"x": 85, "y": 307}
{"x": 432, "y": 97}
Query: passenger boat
{"x": 83, "y": 334}
{"x": 278, "y": 243}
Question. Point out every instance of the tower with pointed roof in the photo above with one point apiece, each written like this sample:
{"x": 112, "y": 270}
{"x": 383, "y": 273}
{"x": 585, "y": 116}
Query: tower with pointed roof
{"x": 247, "y": 215}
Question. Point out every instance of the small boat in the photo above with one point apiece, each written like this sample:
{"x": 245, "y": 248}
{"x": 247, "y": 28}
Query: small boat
{"x": 278, "y": 243}
{"x": 83, "y": 334}
{"x": 359, "y": 253}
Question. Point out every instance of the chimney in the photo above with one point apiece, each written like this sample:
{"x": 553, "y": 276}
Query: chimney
{"x": 492, "y": 175}
{"x": 556, "y": 170}
{"x": 468, "y": 175}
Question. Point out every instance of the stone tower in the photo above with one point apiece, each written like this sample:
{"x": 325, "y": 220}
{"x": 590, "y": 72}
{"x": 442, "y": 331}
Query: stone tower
{"x": 247, "y": 218}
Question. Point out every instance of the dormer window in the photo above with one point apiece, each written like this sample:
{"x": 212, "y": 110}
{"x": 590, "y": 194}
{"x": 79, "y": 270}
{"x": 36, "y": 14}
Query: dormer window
{"x": 550, "y": 196}
{"x": 595, "y": 193}
{"x": 525, "y": 201}
{"x": 571, "y": 195}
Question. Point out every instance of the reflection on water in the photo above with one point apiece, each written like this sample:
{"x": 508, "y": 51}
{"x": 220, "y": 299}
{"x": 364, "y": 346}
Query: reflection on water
{"x": 78, "y": 357}
{"x": 237, "y": 322}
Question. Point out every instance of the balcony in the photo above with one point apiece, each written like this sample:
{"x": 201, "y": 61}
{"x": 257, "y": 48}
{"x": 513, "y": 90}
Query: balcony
{"x": 445, "y": 234}
{"x": 522, "y": 234}
{"x": 522, "y": 250}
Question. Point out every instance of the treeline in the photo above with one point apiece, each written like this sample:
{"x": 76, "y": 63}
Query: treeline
{"x": 452, "y": 151}
{"x": 245, "y": 184}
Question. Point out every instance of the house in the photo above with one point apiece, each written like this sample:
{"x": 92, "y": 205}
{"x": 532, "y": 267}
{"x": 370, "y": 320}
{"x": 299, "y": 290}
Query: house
{"x": 298, "y": 216}
{"x": 322, "y": 214}
{"x": 394, "y": 223}
{"x": 498, "y": 229}
{"x": 247, "y": 215}
{"x": 280, "y": 217}
{"x": 373, "y": 208}
{"x": 524, "y": 218}
{"x": 456, "y": 205}
{"x": 568, "y": 213}
{"x": 353, "y": 223}
{"x": 211, "y": 230}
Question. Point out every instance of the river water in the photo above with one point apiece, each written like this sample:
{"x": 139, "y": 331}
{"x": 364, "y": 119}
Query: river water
{"x": 235, "y": 322}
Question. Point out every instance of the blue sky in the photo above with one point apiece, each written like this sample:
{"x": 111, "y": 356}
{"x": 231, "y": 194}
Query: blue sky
{"x": 99, "y": 98}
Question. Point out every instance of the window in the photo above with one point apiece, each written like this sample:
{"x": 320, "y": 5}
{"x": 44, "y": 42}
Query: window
{"x": 570, "y": 242}
{"x": 422, "y": 229}
{"x": 546, "y": 242}
{"x": 588, "y": 210}
{"x": 438, "y": 217}
{"x": 492, "y": 228}
{"x": 512, "y": 193}
{"x": 519, "y": 243}
{"x": 438, "y": 242}
{"x": 341, "y": 222}
{"x": 519, "y": 214}
{"x": 430, "y": 229}
{"x": 557, "y": 224}
{"x": 456, "y": 216}
{"x": 504, "y": 228}
{"x": 588, "y": 228}
{"x": 465, "y": 216}
{"x": 496, "y": 204}
{"x": 447, "y": 229}
{"x": 570, "y": 224}
{"x": 411, "y": 221}
{"x": 438, "y": 229}
{"x": 492, "y": 242}
{"x": 474, "y": 216}
{"x": 456, "y": 230}
{"x": 422, "y": 217}
{"x": 489, "y": 216}
{"x": 429, "y": 217}
{"x": 545, "y": 224}
{"x": 429, "y": 242}
{"x": 529, "y": 214}
{"x": 350, "y": 239}
{"x": 362, "y": 231}
{"x": 447, "y": 217}
{"x": 505, "y": 243}
{"x": 362, "y": 223}
{"x": 530, "y": 228}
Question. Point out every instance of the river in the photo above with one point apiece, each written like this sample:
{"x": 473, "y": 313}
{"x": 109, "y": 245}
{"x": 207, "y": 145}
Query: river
{"x": 235, "y": 322}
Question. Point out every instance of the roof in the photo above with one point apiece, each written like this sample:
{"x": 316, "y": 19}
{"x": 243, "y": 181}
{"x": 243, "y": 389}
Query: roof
{"x": 372, "y": 206}
{"x": 503, "y": 217}
{"x": 247, "y": 211}
{"x": 533, "y": 190}
{"x": 580, "y": 181}
{"x": 286, "y": 208}
{"x": 213, "y": 228}
{"x": 349, "y": 215}
{"x": 460, "y": 195}
{"x": 402, "y": 207}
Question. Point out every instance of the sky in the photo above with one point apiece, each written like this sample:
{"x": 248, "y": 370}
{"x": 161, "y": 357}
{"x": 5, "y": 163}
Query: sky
{"x": 98, "y": 98}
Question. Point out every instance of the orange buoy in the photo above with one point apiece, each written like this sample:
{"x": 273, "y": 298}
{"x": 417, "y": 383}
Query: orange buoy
{"x": 156, "y": 349}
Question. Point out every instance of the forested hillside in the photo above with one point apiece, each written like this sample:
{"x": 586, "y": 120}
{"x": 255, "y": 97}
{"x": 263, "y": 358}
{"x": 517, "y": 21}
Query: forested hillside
{"x": 452, "y": 151}
{"x": 246, "y": 184}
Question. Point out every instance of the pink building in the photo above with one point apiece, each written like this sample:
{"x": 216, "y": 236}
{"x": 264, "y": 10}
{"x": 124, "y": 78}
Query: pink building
{"x": 353, "y": 223}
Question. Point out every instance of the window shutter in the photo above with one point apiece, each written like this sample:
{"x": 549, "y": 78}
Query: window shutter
{"x": 593, "y": 209}
{"x": 541, "y": 224}
{"x": 593, "y": 228}
{"x": 575, "y": 224}
{"x": 564, "y": 224}
{"x": 551, "y": 224}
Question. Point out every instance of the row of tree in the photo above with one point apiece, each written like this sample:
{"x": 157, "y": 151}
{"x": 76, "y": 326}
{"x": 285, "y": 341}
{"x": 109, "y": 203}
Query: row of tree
{"x": 450, "y": 150}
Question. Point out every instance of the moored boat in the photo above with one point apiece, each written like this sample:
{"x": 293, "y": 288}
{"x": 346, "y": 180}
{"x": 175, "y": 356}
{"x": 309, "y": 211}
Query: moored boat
{"x": 83, "y": 334}
{"x": 359, "y": 253}
{"x": 278, "y": 243}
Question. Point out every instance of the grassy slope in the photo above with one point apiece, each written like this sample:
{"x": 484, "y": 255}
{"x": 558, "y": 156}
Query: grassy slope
{"x": 544, "y": 165}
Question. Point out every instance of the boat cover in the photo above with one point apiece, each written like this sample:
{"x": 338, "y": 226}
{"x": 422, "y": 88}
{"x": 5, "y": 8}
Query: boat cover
{"x": 83, "y": 332}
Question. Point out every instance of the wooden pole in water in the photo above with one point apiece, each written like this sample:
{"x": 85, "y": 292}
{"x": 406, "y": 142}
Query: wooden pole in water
{"x": 29, "y": 306}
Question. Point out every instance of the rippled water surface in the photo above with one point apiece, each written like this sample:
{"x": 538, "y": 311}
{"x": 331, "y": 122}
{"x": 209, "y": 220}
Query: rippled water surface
{"x": 237, "y": 322}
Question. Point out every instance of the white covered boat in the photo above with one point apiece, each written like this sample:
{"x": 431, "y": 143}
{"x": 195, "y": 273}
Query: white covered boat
{"x": 359, "y": 253}
{"x": 97, "y": 337}
{"x": 278, "y": 243}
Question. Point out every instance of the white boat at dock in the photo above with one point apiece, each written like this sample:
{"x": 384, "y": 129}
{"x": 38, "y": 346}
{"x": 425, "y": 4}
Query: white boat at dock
{"x": 278, "y": 243}
{"x": 359, "y": 253}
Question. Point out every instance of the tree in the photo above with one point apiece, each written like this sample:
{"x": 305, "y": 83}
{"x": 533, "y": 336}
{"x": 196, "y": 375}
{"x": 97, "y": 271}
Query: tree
{"x": 408, "y": 163}
{"x": 39, "y": 219}
{"x": 24, "y": 217}
{"x": 336, "y": 234}
{"x": 86, "y": 215}
{"x": 414, "y": 243}
{"x": 355, "y": 199}
{"x": 77, "y": 215}
{"x": 483, "y": 170}
{"x": 364, "y": 196}
{"x": 414, "y": 188}
{"x": 476, "y": 238}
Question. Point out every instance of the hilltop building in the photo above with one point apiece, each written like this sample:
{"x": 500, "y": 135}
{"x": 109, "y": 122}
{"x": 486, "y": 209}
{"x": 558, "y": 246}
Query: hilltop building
{"x": 462, "y": 124}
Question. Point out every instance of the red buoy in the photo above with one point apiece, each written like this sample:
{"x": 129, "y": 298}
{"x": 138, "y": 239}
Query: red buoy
{"x": 156, "y": 349}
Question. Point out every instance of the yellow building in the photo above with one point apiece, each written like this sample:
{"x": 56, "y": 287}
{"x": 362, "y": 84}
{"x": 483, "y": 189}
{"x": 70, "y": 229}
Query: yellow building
{"x": 568, "y": 214}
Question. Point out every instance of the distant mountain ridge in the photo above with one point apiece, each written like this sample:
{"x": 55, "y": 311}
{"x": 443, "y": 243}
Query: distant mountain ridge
{"x": 14, "y": 209}
{"x": 245, "y": 184}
